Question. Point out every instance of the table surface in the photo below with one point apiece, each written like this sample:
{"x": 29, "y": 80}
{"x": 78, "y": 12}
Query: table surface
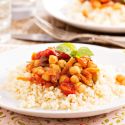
{"x": 10, "y": 118}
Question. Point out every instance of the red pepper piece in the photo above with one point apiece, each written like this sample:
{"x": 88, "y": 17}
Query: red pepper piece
{"x": 46, "y": 53}
{"x": 67, "y": 88}
{"x": 36, "y": 56}
{"x": 62, "y": 55}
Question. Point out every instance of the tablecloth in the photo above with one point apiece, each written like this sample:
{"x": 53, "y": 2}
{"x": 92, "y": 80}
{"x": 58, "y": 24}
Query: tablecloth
{"x": 10, "y": 118}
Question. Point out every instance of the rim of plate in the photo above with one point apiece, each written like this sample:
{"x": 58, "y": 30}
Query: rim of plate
{"x": 41, "y": 111}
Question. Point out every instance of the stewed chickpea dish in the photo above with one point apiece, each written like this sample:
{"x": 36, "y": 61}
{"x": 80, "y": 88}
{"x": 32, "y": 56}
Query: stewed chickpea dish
{"x": 65, "y": 67}
{"x": 116, "y": 4}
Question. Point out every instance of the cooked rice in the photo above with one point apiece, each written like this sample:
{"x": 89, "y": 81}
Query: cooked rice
{"x": 37, "y": 96}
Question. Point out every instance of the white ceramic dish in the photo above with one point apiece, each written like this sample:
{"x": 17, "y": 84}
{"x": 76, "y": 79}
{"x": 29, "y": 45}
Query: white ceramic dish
{"x": 9, "y": 60}
{"x": 54, "y": 7}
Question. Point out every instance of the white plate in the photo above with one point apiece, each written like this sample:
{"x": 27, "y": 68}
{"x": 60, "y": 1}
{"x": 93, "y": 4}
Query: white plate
{"x": 9, "y": 60}
{"x": 54, "y": 7}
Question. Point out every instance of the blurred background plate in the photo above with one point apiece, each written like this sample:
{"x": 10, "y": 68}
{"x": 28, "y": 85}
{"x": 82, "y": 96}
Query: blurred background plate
{"x": 56, "y": 9}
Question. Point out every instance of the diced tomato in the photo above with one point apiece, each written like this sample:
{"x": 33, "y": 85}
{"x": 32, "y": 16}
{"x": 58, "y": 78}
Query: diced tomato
{"x": 54, "y": 79}
{"x": 37, "y": 78}
{"x": 67, "y": 80}
{"x": 82, "y": 1}
{"x": 48, "y": 52}
{"x": 67, "y": 88}
{"x": 45, "y": 53}
{"x": 48, "y": 84}
{"x": 105, "y": 1}
{"x": 64, "y": 56}
{"x": 33, "y": 56}
{"x": 36, "y": 56}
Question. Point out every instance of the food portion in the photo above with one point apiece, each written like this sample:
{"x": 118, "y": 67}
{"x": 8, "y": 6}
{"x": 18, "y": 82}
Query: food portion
{"x": 65, "y": 78}
{"x": 115, "y": 4}
{"x": 96, "y": 12}
{"x": 63, "y": 67}
{"x": 110, "y": 11}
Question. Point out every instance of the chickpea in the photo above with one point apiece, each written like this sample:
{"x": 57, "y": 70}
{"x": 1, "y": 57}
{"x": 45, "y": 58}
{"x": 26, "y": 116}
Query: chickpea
{"x": 62, "y": 78}
{"x": 36, "y": 63}
{"x": 29, "y": 67}
{"x": 74, "y": 70}
{"x": 74, "y": 79}
{"x": 53, "y": 59}
{"x": 46, "y": 77}
{"x": 62, "y": 63}
{"x": 77, "y": 64}
{"x": 117, "y": 6}
{"x": 46, "y": 68}
{"x": 123, "y": 82}
{"x": 120, "y": 78}
{"x": 55, "y": 67}
{"x": 91, "y": 65}
{"x": 81, "y": 88}
{"x": 96, "y": 3}
{"x": 78, "y": 84}
{"x": 38, "y": 70}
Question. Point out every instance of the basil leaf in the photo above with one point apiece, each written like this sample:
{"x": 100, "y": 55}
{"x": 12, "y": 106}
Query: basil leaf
{"x": 73, "y": 53}
{"x": 63, "y": 49}
{"x": 71, "y": 50}
{"x": 66, "y": 48}
{"x": 70, "y": 45}
{"x": 84, "y": 51}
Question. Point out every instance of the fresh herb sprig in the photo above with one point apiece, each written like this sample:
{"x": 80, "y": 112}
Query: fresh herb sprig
{"x": 71, "y": 50}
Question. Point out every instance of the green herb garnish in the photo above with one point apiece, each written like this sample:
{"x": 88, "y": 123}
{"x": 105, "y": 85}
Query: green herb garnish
{"x": 71, "y": 50}
{"x": 67, "y": 48}
{"x": 84, "y": 51}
